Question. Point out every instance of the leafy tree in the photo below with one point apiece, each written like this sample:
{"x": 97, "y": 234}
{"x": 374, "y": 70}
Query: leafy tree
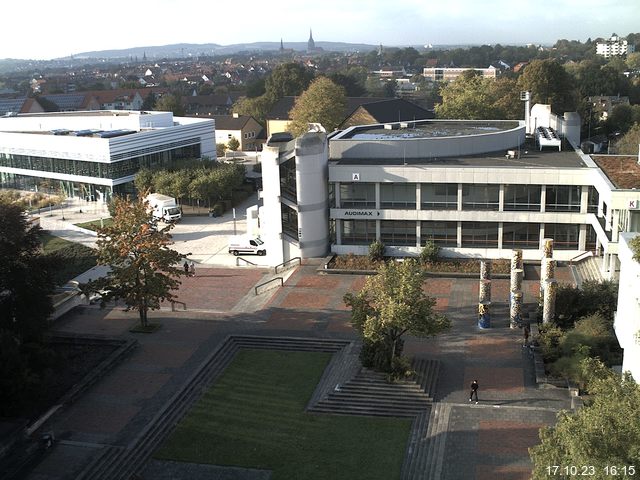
{"x": 220, "y": 149}
{"x": 233, "y": 144}
{"x": 623, "y": 117}
{"x": 549, "y": 83}
{"x": 602, "y": 434}
{"x": 144, "y": 180}
{"x": 257, "y": 107}
{"x": 288, "y": 79}
{"x": 350, "y": 84}
{"x": 429, "y": 252}
{"x": 323, "y": 102}
{"x": 634, "y": 244}
{"x": 170, "y": 102}
{"x": 633, "y": 60}
{"x": 628, "y": 144}
{"x": 389, "y": 88}
{"x": 25, "y": 277}
{"x": 376, "y": 251}
{"x": 149, "y": 102}
{"x": 144, "y": 269}
{"x": 391, "y": 304}
{"x": 256, "y": 87}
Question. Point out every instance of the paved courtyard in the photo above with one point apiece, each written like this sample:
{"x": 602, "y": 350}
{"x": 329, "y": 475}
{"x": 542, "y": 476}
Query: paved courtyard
{"x": 483, "y": 441}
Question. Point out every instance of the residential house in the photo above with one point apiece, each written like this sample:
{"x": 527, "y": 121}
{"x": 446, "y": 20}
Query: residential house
{"x": 243, "y": 128}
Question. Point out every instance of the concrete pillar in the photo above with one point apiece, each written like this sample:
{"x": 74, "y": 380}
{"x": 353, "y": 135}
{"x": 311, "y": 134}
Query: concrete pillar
{"x": 549, "y": 302}
{"x": 459, "y": 234}
{"x": 459, "y": 197}
{"x": 584, "y": 199}
{"x": 500, "y": 233}
{"x": 582, "y": 238}
{"x": 336, "y": 194}
{"x": 485, "y": 269}
{"x": 548, "y": 269}
{"x": 484, "y": 314}
{"x": 377, "y": 193}
{"x": 338, "y": 232}
{"x": 418, "y": 239}
{"x": 418, "y": 197}
{"x": 484, "y": 291}
{"x": 501, "y": 198}
{"x": 378, "y": 230}
{"x": 615, "y": 225}
{"x": 515, "y": 311}
{"x": 547, "y": 248}
{"x": 543, "y": 198}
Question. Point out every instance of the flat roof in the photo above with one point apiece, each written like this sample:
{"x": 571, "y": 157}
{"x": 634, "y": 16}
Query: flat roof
{"x": 428, "y": 129}
{"x": 528, "y": 156}
{"x": 622, "y": 170}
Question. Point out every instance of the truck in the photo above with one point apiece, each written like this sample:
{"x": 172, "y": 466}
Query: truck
{"x": 164, "y": 207}
{"x": 246, "y": 244}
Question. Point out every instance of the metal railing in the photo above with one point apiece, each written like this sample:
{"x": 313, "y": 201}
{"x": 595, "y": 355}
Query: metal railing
{"x": 284, "y": 264}
{"x": 173, "y": 305}
{"x": 247, "y": 262}
{"x": 268, "y": 282}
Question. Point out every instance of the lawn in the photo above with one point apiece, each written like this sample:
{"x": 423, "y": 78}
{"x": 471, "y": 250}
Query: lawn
{"x": 254, "y": 417}
{"x": 71, "y": 258}
{"x": 95, "y": 224}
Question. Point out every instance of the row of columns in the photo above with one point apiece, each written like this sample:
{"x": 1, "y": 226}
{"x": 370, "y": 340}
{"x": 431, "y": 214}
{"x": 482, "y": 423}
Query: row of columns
{"x": 548, "y": 288}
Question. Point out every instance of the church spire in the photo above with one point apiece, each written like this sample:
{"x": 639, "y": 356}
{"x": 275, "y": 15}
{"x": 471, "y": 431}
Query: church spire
{"x": 281, "y": 45}
{"x": 311, "y": 45}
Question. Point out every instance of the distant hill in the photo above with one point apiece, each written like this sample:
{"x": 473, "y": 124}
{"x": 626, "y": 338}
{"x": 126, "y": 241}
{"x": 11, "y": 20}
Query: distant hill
{"x": 194, "y": 49}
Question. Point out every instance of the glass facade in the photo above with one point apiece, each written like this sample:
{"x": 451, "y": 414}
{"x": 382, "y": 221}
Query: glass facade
{"x": 521, "y": 235}
{"x": 565, "y": 235}
{"x": 563, "y": 198}
{"x": 398, "y": 232}
{"x": 289, "y": 221}
{"x": 358, "y": 232}
{"x": 480, "y": 197}
{"x": 594, "y": 199}
{"x": 398, "y": 195}
{"x": 439, "y": 196}
{"x": 522, "y": 198}
{"x": 357, "y": 195}
{"x": 479, "y": 235}
{"x": 444, "y": 234}
{"x": 288, "y": 184}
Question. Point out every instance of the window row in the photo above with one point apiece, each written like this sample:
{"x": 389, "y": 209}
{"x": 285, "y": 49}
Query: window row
{"x": 472, "y": 234}
{"x": 444, "y": 196}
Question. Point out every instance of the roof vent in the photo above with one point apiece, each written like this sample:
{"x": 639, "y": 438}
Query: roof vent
{"x": 391, "y": 126}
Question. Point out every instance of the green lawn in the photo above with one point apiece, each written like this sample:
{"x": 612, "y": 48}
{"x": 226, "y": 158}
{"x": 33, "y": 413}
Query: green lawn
{"x": 95, "y": 224}
{"x": 71, "y": 258}
{"x": 254, "y": 417}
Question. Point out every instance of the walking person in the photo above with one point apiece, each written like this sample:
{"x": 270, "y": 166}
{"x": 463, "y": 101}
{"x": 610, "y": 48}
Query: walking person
{"x": 474, "y": 391}
{"x": 192, "y": 269}
{"x": 186, "y": 268}
{"x": 526, "y": 333}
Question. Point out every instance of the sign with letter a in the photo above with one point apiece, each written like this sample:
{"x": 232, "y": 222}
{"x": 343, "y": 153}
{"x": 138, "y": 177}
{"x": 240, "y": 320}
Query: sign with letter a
{"x": 355, "y": 177}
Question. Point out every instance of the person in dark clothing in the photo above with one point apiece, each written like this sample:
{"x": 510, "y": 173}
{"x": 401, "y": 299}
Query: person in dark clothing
{"x": 526, "y": 333}
{"x": 474, "y": 391}
{"x": 186, "y": 268}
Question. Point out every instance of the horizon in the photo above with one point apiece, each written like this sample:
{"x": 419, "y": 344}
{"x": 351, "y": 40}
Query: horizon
{"x": 65, "y": 32}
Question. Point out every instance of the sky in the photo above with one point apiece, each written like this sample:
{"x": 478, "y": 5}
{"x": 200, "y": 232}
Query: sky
{"x": 42, "y": 29}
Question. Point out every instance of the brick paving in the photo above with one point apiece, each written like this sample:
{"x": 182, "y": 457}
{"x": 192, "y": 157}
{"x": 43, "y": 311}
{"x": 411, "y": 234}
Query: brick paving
{"x": 488, "y": 440}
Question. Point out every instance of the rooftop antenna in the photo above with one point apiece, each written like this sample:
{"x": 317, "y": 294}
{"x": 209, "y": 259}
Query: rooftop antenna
{"x": 526, "y": 98}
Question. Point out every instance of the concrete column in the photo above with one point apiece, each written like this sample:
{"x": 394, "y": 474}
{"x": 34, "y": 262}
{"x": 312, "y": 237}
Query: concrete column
{"x": 418, "y": 197}
{"x": 501, "y": 198}
{"x": 378, "y": 230}
{"x": 459, "y": 197}
{"x": 336, "y": 193}
{"x": 515, "y": 310}
{"x": 543, "y": 198}
{"x": 338, "y": 232}
{"x": 418, "y": 241}
{"x": 549, "y": 302}
{"x": 582, "y": 238}
{"x": 541, "y": 236}
{"x": 548, "y": 269}
{"x": 459, "y": 235}
{"x": 484, "y": 315}
{"x": 547, "y": 248}
{"x": 377, "y": 192}
{"x": 485, "y": 269}
{"x": 615, "y": 225}
{"x": 484, "y": 293}
{"x": 500, "y": 232}
{"x": 584, "y": 199}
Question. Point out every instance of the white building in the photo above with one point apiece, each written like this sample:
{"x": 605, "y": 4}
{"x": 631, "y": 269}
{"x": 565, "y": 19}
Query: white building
{"x": 451, "y": 73}
{"x": 96, "y": 154}
{"x": 614, "y": 47}
{"x": 627, "y": 322}
{"x": 476, "y": 188}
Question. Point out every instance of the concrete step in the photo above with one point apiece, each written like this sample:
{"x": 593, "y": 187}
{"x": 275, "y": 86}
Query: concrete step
{"x": 367, "y": 411}
{"x": 412, "y": 459}
{"x": 427, "y": 372}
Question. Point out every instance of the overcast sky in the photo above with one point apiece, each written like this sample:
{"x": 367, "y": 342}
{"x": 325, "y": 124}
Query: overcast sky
{"x": 42, "y": 29}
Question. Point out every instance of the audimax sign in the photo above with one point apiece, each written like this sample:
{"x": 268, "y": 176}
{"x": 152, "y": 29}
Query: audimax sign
{"x": 361, "y": 213}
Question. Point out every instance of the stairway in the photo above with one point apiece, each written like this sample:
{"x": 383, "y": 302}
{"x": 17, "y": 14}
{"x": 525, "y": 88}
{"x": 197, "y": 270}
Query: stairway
{"x": 587, "y": 269}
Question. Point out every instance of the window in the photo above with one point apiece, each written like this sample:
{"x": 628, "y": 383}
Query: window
{"x": 358, "y": 232}
{"x": 229, "y": 136}
{"x": 288, "y": 185}
{"x": 357, "y": 195}
{"x": 398, "y": 195}
{"x": 594, "y": 199}
{"x": 522, "y": 197}
{"x": 398, "y": 232}
{"x": 480, "y": 197}
{"x": 565, "y": 236}
{"x": 563, "y": 198}
{"x": 289, "y": 221}
{"x": 439, "y": 196}
{"x": 479, "y": 235}
{"x": 444, "y": 234}
{"x": 521, "y": 235}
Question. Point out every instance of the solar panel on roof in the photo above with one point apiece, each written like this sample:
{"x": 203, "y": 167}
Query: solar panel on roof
{"x": 115, "y": 133}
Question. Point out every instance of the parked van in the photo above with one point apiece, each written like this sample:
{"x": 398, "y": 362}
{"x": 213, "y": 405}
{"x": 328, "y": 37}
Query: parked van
{"x": 164, "y": 207}
{"x": 246, "y": 244}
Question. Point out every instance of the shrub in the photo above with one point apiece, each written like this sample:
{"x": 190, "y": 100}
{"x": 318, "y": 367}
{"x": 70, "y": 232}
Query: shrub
{"x": 376, "y": 251}
{"x": 70, "y": 261}
{"x": 429, "y": 252}
{"x": 218, "y": 209}
{"x": 549, "y": 341}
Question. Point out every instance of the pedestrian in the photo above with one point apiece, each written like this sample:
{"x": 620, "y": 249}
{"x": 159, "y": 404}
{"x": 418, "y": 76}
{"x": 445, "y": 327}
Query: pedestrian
{"x": 192, "y": 269}
{"x": 474, "y": 391}
{"x": 186, "y": 268}
{"x": 526, "y": 333}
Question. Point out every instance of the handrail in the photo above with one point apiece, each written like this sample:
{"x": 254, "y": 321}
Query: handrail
{"x": 287, "y": 262}
{"x": 268, "y": 282}
{"x": 245, "y": 261}
{"x": 173, "y": 305}
{"x": 590, "y": 253}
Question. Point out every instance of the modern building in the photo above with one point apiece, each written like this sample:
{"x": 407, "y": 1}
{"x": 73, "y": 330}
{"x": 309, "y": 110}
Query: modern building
{"x": 476, "y": 188}
{"x": 614, "y": 47}
{"x": 439, "y": 74}
{"x": 96, "y": 154}
{"x": 627, "y": 319}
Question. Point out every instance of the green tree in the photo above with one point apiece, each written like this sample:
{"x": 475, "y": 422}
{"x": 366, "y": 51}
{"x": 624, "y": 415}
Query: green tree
{"x": 144, "y": 180}
{"x": 220, "y": 149}
{"x": 602, "y": 434}
{"x": 143, "y": 269}
{"x": 233, "y": 144}
{"x": 149, "y": 102}
{"x": 393, "y": 303}
{"x": 170, "y": 102}
{"x": 628, "y": 144}
{"x": 288, "y": 79}
{"x": 323, "y": 102}
{"x": 549, "y": 83}
{"x": 25, "y": 277}
{"x": 633, "y": 60}
{"x": 257, "y": 107}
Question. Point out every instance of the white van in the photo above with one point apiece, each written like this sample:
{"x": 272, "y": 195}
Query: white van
{"x": 246, "y": 244}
